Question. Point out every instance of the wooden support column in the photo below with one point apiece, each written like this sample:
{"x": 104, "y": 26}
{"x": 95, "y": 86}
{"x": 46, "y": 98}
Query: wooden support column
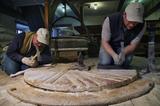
{"x": 46, "y": 15}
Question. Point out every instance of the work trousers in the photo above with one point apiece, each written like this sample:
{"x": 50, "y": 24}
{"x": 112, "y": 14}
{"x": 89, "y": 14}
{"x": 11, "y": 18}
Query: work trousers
{"x": 106, "y": 59}
{"x": 10, "y": 66}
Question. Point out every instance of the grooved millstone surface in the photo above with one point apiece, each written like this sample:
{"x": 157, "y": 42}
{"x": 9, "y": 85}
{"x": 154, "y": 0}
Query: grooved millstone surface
{"x": 62, "y": 79}
{"x": 60, "y": 85}
{"x": 38, "y": 96}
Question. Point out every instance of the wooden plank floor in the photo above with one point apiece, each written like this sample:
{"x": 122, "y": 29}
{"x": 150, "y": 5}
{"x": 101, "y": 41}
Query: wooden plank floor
{"x": 5, "y": 98}
{"x": 150, "y": 99}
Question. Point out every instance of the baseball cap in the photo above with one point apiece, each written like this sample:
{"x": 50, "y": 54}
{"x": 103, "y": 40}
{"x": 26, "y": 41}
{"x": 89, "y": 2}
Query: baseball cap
{"x": 134, "y": 12}
{"x": 43, "y": 35}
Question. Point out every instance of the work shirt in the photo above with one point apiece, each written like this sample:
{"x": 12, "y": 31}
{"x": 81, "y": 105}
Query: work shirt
{"x": 106, "y": 32}
{"x": 14, "y": 51}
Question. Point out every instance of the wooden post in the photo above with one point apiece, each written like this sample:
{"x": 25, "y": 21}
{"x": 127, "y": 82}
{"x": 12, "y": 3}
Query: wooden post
{"x": 46, "y": 15}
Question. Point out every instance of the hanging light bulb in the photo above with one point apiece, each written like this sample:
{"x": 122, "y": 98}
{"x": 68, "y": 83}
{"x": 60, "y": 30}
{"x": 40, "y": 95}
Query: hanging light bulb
{"x": 133, "y": 1}
{"x": 94, "y": 6}
{"x": 140, "y": 1}
{"x": 63, "y": 9}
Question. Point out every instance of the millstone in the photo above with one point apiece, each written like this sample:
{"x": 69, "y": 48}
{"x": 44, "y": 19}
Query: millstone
{"x": 60, "y": 85}
{"x": 66, "y": 80}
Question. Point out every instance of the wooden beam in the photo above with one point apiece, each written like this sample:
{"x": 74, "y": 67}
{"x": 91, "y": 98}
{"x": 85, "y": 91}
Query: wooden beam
{"x": 86, "y": 1}
{"x": 52, "y": 8}
{"x": 46, "y": 15}
{"x": 77, "y": 14}
{"x": 155, "y": 8}
{"x": 10, "y": 12}
{"x": 121, "y": 2}
{"x": 73, "y": 9}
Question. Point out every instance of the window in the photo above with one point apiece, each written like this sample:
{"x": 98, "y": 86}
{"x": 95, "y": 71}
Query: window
{"x": 21, "y": 28}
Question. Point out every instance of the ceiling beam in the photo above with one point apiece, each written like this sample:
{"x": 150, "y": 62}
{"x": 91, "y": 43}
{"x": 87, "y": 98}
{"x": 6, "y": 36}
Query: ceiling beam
{"x": 77, "y": 14}
{"x": 22, "y": 3}
{"x": 87, "y": 1}
{"x": 121, "y": 2}
{"x": 152, "y": 10}
{"x": 73, "y": 9}
{"x": 10, "y": 12}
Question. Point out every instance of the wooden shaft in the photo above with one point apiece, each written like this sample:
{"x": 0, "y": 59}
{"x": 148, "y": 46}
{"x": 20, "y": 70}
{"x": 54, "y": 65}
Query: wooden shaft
{"x": 46, "y": 15}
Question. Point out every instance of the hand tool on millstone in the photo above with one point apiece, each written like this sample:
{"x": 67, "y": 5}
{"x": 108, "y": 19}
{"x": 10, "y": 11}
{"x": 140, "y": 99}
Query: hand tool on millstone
{"x": 22, "y": 72}
{"x": 122, "y": 58}
{"x": 122, "y": 47}
{"x": 80, "y": 64}
{"x": 81, "y": 60}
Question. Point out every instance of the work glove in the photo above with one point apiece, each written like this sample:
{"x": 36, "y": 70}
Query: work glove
{"x": 34, "y": 63}
{"x": 116, "y": 59}
{"x": 29, "y": 61}
{"x": 121, "y": 58}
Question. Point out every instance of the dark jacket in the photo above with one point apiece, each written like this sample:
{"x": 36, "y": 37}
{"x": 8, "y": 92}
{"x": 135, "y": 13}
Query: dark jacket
{"x": 14, "y": 51}
{"x": 120, "y": 33}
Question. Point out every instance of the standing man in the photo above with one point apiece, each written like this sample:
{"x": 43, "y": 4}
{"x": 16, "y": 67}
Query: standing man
{"x": 121, "y": 33}
{"x": 28, "y": 49}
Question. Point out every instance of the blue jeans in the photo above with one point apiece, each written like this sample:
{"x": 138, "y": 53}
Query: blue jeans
{"x": 10, "y": 66}
{"x": 106, "y": 59}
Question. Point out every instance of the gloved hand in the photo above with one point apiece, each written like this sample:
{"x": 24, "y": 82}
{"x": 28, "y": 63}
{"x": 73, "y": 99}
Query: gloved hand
{"x": 28, "y": 61}
{"x": 34, "y": 63}
{"x": 121, "y": 58}
{"x": 116, "y": 59}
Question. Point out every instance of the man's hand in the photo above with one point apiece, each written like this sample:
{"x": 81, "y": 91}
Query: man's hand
{"x": 28, "y": 61}
{"x": 116, "y": 59}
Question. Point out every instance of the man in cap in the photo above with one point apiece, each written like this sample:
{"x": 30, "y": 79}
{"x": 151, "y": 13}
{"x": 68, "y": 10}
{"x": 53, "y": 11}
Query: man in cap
{"x": 28, "y": 49}
{"x": 121, "y": 33}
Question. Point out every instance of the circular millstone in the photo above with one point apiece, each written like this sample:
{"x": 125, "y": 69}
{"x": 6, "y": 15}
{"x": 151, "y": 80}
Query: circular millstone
{"x": 33, "y": 95}
{"x": 62, "y": 79}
